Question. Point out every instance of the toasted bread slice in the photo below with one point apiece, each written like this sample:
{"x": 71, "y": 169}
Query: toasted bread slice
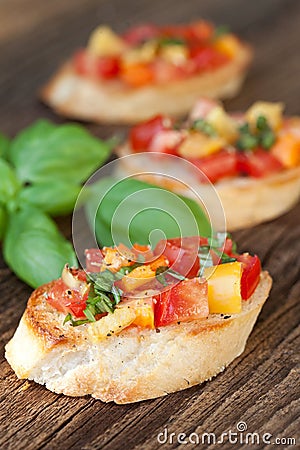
{"x": 137, "y": 364}
{"x": 79, "y": 97}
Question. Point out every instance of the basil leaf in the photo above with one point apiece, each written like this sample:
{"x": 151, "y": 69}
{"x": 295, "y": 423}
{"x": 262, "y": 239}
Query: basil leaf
{"x": 34, "y": 248}
{"x": 9, "y": 183}
{"x": 48, "y": 152}
{"x": 141, "y": 214}
{"x": 221, "y": 30}
{"x": 4, "y": 146}
{"x": 53, "y": 198}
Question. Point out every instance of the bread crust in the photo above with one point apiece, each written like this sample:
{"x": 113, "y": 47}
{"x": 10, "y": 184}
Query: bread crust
{"x": 137, "y": 364}
{"x": 246, "y": 201}
{"x": 79, "y": 97}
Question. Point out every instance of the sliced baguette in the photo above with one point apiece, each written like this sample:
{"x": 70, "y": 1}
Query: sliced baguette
{"x": 133, "y": 365}
{"x": 79, "y": 97}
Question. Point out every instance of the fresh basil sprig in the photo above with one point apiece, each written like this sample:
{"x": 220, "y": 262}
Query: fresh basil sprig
{"x": 41, "y": 171}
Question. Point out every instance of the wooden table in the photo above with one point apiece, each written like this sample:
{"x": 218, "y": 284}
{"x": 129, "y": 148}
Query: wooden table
{"x": 260, "y": 388}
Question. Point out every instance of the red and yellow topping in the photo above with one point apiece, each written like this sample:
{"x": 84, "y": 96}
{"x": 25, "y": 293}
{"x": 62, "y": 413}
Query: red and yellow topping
{"x": 150, "y": 54}
{"x": 182, "y": 279}
{"x": 255, "y": 144}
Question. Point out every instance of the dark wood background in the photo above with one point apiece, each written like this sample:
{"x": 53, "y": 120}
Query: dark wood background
{"x": 261, "y": 387}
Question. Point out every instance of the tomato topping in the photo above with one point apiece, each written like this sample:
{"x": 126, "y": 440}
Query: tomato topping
{"x": 105, "y": 67}
{"x": 182, "y": 254}
{"x": 186, "y": 300}
{"x": 219, "y": 165}
{"x": 66, "y": 300}
{"x": 140, "y": 34}
{"x": 250, "y": 274}
{"x": 141, "y": 135}
{"x": 94, "y": 259}
{"x": 258, "y": 163}
{"x": 206, "y": 57}
{"x": 137, "y": 74}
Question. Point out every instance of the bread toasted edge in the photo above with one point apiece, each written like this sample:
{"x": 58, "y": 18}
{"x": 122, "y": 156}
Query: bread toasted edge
{"x": 75, "y": 96}
{"x": 134, "y": 365}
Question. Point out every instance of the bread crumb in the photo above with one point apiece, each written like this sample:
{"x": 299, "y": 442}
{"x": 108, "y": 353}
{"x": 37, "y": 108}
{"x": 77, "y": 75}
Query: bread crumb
{"x": 25, "y": 386}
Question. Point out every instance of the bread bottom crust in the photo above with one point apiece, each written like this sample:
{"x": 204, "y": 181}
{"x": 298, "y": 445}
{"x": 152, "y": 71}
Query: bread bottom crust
{"x": 137, "y": 364}
{"x": 72, "y": 95}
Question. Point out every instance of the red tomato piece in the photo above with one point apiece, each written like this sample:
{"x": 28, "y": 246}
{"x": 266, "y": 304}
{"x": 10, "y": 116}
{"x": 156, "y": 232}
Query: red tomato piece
{"x": 250, "y": 274}
{"x": 141, "y": 135}
{"x": 140, "y": 34}
{"x": 219, "y": 165}
{"x": 105, "y": 67}
{"x": 206, "y": 58}
{"x": 93, "y": 259}
{"x": 182, "y": 254}
{"x": 186, "y": 300}
{"x": 66, "y": 300}
{"x": 258, "y": 163}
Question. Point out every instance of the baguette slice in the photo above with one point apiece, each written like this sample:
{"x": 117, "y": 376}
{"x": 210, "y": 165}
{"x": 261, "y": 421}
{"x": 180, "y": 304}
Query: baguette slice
{"x": 79, "y": 97}
{"x": 134, "y": 365}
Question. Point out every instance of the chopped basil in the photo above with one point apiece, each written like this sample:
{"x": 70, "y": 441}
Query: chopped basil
{"x": 204, "y": 126}
{"x": 263, "y": 135}
{"x": 164, "y": 41}
{"x": 162, "y": 272}
{"x": 220, "y": 31}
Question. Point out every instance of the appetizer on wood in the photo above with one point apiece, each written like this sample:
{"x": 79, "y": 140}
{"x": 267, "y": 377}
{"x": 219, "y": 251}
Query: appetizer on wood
{"x": 252, "y": 158}
{"x": 148, "y": 70}
{"x": 139, "y": 324}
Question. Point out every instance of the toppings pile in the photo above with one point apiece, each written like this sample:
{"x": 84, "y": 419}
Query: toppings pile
{"x": 182, "y": 279}
{"x": 150, "y": 54}
{"x": 255, "y": 144}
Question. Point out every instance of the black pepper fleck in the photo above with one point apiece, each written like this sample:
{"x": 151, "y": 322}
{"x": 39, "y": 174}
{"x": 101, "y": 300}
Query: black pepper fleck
{"x": 227, "y": 317}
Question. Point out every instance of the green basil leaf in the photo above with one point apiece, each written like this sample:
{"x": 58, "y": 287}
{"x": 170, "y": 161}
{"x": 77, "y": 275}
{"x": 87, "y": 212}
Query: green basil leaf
{"x": 3, "y": 221}
{"x": 4, "y": 145}
{"x": 47, "y": 152}
{"x": 53, "y": 198}
{"x": 154, "y": 209}
{"x": 9, "y": 183}
{"x": 34, "y": 248}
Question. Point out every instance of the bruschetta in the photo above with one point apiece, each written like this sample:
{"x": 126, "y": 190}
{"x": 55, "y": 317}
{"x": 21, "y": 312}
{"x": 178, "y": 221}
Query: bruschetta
{"x": 131, "y": 77}
{"x": 252, "y": 158}
{"x": 139, "y": 324}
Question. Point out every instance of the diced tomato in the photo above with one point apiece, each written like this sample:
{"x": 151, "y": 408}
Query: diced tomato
{"x": 164, "y": 71}
{"x": 219, "y": 165}
{"x": 250, "y": 274}
{"x": 258, "y": 163}
{"x": 141, "y": 135}
{"x": 93, "y": 259}
{"x": 66, "y": 300}
{"x": 105, "y": 67}
{"x": 187, "y": 300}
{"x": 140, "y": 34}
{"x": 182, "y": 254}
{"x": 202, "y": 108}
{"x": 202, "y": 30}
{"x": 206, "y": 58}
{"x": 166, "y": 141}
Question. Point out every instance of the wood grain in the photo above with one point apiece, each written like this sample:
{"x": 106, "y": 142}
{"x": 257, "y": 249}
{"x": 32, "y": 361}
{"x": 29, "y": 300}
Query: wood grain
{"x": 262, "y": 386}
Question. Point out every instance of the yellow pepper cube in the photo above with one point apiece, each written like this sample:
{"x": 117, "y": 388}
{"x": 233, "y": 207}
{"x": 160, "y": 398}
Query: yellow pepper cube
{"x": 143, "y": 309}
{"x": 224, "y": 125}
{"x": 228, "y": 44}
{"x": 271, "y": 111}
{"x": 111, "y": 324}
{"x": 139, "y": 276}
{"x": 287, "y": 150}
{"x": 224, "y": 288}
{"x": 104, "y": 42}
{"x": 198, "y": 145}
